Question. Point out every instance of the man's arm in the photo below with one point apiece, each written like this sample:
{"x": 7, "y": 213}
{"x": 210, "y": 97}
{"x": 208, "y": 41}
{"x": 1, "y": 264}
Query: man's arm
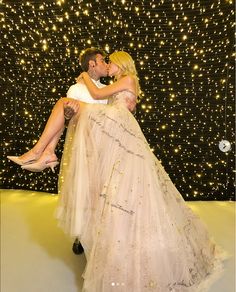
{"x": 71, "y": 106}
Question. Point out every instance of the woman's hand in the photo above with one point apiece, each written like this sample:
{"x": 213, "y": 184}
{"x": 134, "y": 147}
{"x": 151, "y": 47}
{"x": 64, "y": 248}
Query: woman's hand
{"x": 79, "y": 79}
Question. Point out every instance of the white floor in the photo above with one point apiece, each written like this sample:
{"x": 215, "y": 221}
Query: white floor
{"x": 36, "y": 256}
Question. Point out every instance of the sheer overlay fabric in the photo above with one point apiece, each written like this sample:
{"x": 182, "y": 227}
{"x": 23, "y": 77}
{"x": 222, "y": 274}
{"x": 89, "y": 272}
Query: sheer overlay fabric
{"x": 115, "y": 196}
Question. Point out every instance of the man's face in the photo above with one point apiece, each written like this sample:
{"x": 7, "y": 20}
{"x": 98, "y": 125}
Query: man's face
{"x": 101, "y": 67}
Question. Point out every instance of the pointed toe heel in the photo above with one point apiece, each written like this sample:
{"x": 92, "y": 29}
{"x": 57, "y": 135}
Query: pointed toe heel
{"x": 15, "y": 159}
{"x": 22, "y": 161}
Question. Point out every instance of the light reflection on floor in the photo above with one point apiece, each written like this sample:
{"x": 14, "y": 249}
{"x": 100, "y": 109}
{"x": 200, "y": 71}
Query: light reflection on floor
{"x": 36, "y": 256}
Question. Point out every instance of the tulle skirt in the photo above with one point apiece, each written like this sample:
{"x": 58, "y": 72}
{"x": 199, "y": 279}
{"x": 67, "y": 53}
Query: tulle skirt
{"x": 115, "y": 196}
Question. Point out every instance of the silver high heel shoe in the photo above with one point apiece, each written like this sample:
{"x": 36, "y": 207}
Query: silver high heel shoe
{"x": 40, "y": 166}
{"x": 46, "y": 160}
{"x": 19, "y": 161}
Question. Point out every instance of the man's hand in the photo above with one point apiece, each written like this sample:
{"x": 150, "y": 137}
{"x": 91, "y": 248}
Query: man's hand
{"x": 70, "y": 108}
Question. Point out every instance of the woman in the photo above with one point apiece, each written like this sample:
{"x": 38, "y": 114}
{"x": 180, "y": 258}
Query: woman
{"x": 42, "y": 155}
{"x": 115, "y": 196}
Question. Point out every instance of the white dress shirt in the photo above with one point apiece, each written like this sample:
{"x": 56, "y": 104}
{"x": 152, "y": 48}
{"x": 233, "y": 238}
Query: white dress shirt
{"x": 79, "y": 91}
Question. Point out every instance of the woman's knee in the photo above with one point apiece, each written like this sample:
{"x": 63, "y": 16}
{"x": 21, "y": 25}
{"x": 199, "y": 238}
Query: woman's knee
{"x": 64, "y": 99}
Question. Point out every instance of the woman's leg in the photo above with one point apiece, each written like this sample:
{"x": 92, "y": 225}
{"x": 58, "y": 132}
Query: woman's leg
{"x": 47, "y": 158}
{"x": 48, "y": 153}
{"x": 50, "y": 148}
{"x": 51, "y": 132}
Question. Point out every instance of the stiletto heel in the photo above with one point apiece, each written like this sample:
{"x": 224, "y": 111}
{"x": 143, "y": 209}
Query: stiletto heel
{"x": 52, "y": 165}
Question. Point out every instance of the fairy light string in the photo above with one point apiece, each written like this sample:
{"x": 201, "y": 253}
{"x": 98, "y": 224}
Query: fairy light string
{"x": 180, "y": 49}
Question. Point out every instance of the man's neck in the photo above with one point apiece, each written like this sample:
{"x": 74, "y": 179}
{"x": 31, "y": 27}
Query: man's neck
{"x": 93, "y": 75}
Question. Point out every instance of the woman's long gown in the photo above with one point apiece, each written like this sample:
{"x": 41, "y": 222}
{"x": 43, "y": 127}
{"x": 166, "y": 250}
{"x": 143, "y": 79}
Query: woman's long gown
{"x": 115, "y": 196}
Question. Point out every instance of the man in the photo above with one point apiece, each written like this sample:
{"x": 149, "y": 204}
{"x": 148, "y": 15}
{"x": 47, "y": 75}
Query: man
{"x": 92, "y": 60}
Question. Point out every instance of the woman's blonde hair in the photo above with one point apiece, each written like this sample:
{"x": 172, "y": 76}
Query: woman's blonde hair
{"x": 125, "y": 62}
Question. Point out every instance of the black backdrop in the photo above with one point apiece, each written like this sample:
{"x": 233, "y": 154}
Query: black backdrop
{"x": 184, "y": 52}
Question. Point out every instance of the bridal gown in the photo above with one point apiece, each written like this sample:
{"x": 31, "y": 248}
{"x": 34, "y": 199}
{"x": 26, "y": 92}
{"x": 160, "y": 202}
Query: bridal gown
{"x": 115, "y": 196}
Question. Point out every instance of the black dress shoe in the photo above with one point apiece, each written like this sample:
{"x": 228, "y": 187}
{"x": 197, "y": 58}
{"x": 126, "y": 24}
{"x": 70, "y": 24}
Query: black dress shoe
{"x": 77, "y": 247}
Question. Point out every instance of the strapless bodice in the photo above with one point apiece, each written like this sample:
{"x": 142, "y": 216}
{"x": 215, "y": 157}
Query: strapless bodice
{"x": 124, "y": 98}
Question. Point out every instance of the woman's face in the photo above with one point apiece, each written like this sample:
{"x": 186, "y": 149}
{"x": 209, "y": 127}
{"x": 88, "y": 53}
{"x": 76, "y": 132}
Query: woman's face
{"x": 113, "y": 69}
